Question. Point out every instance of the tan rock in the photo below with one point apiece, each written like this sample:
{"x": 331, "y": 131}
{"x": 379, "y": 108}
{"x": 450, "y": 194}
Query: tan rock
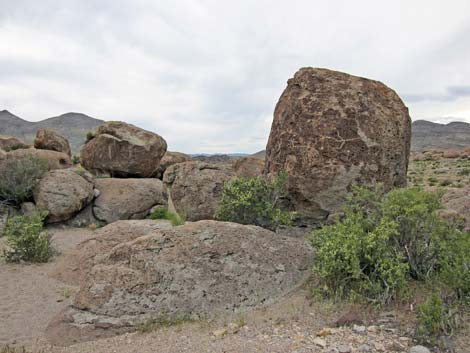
{"x": 248, "y": 167}
{"x": 169, "y": 159}
{"x": 63, "y": 193}
{"x": 50, "y": 140}
{"x": 332, "y": 130}
{"x": 195, "y": 188}
{"x": 11, "y": 143}
{"x": 121, "y": 199}
{"x": 55, "y": 160}
{"x": 123, "y": 150}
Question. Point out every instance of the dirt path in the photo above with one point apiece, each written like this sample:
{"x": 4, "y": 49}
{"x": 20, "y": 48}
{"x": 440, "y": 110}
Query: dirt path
{"x": 30, "y": 295}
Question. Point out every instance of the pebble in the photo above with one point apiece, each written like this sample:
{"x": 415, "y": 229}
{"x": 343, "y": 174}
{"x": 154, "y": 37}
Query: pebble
{"x": 220, "y": 332}
{"x": 419, "y": 349}
{"x": 364, "y": 348}
{"x": 320, "y": 342}
{"x": 361, "y": 330}
{"x": 344, "y": 348}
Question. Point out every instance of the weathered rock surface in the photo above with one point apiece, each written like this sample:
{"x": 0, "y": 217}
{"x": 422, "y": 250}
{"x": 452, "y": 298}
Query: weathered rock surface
{"x": 51, "y": 140}
{"x": 123, "y": 150}
{"x": 10, "y": 142}
{"x": 55, "y": 160}
{"x": 332, "y": 130}
{"x": 195, "y": 270}
{"x": 248, "y": 167}
{"x": 458, "y": 201}
{"x": 122, "y": 199}
{"x": 195, "y": 188}
{"x": 169, "y": 159}
{"x": 63, "y": 193}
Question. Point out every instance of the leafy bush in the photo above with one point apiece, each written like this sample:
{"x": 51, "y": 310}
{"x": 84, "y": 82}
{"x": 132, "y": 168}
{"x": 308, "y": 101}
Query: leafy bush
{"x": 76, "y": 159}
{"x": 90, "y": 135}
{"x": 18, "y": 178}
{"x": 254, "y": 201}
{"x": 435, "y": 317}
{"x": 163, "y": 213}
{"x": 26, "y": 239}
{"x": 383, "y": 241}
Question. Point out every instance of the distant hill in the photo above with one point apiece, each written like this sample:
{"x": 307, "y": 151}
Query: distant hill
{"x": 74, "y": 126}
{"x": 429, "y": 135}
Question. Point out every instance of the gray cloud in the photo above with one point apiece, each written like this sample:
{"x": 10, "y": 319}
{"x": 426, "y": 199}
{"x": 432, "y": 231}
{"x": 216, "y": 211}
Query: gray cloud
{"x": 207, "y": 74}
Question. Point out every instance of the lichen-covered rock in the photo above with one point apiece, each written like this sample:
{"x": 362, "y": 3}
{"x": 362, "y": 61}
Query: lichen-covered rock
{"x": 123, "y": 150}
{"x": 195, "y": 188}
{"x": 332, "y": 130}
{"x": 169, "y": 159}
{"x": 121, "y": 199}
{"x": 55, "y": 160}
{"x": 51, "y": 140}
{"x": 248, "y": 167}
{"x": 195, "y": 270}
{"x": 63, "y": 193}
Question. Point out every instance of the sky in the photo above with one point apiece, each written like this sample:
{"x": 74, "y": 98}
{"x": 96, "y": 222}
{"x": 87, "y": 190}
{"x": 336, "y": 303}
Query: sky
{"x": 206, "y": 74}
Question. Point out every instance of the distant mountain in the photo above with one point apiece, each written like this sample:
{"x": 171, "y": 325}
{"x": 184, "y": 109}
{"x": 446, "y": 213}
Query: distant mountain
{"x": 259, "y": 155}
{"x": 73, "y": 126}
{"x": 429, "y": 135}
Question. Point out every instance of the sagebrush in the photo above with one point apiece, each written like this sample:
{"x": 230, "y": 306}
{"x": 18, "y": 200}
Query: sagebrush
{"x": 26, "y": 239}
{"x": 18, "y": 179}
{"x": 255, "y": 201}
{"x": 163, "y": 213}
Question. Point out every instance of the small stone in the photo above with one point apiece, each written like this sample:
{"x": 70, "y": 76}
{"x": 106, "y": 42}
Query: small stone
{"x": 344, "y": 348}
{"x": 364, "y": 348}
{"x": 379, "y": 346}
{"x": 324, "y": 332}
{"x": 220, "y": 332}
{"x": 320, "y": 342}
{"x": 361, "y": 330}
{"x": 419, "y": 349}
{"x": 373, "y": 329}
{"x": 233, "y": 328}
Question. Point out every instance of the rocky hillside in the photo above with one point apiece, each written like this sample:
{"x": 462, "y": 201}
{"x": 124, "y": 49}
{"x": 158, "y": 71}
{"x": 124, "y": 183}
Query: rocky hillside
{"x": 74, "y": 126}
{"x": 429, "y": 135}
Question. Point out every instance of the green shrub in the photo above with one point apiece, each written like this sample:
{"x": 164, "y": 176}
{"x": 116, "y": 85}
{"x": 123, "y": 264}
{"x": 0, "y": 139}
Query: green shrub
{"x": 254, "y": 201}
{"x": 18, "y": 178}
{"x": 90, "y": 135}
{"x": 432, "y": 181}
{"x": 76, "y": 159}
{"x": 163, "y": 213}
{"x": 464, "y": 172}
{"x": 18, "y": 146}
{"x": 435, "y": 318}
{"x": 383, "y": 241}
{"x": 26, "y": 239}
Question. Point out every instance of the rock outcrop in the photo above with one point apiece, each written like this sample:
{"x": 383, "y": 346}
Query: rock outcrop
{"x": 122, "y": 199}
{"x": 55, "y": 160}
{"x": 196, "y": 270}
{"x": 195, "y": 188}
{"x": 51, "y": 140}
{"x": 248, "y": 167}
{"x": 169, "y": 159}
{"x": 124, "y": 151}
{"x": 10, "y": 143}
{"x": 63, "y": 193}
{"x": 332, "y": 130}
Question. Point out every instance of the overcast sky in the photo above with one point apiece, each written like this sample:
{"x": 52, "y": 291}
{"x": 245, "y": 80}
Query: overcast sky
{"x": 206, "y": 74}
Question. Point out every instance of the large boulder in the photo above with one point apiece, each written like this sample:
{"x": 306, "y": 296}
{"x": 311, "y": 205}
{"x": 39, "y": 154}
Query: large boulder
{"x": 169, "y": 159}
{"x": 195, "y": 188}
{"x": 55, "y": 160}
{"x": 192, "y": 271}
{"x": 123, "y": 150}
{"x": 332, "y": 130}
{"x": 63, "y": 193}
{"x": 121, "y": 199}
{"x": 457, "y": 200}
{"x": 8, "y": 143}
{"x": 248, "y": 167}
{"x": 51, "y": 140}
